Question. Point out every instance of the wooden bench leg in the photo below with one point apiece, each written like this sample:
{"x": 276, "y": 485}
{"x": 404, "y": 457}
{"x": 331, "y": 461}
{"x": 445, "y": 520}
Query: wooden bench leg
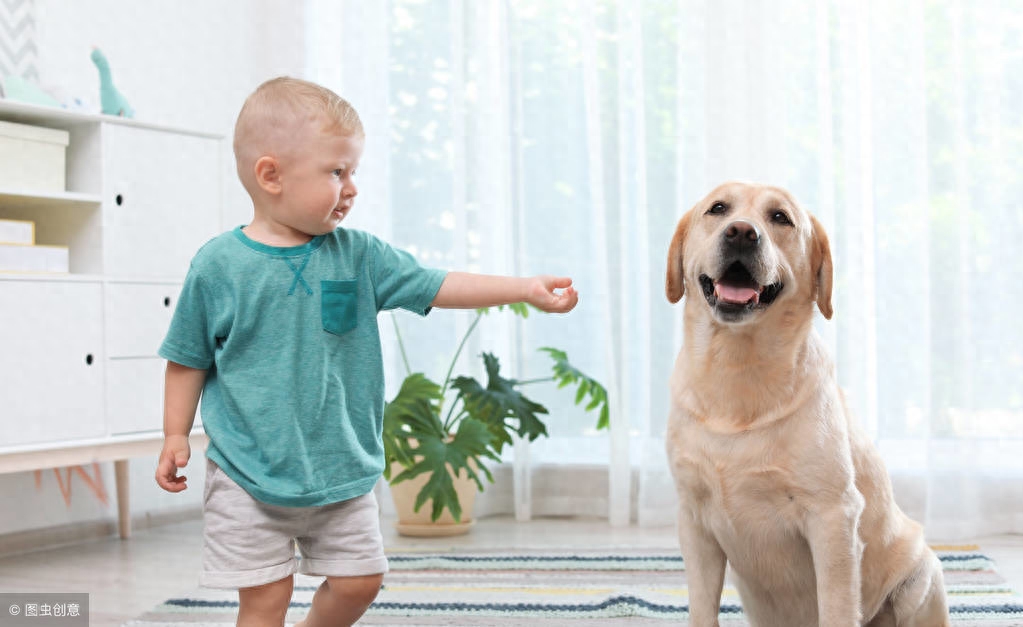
{"x": 123, "y": 503}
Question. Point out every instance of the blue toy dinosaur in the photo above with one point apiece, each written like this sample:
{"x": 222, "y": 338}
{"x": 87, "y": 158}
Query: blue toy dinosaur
{"x": 112, "y": 102}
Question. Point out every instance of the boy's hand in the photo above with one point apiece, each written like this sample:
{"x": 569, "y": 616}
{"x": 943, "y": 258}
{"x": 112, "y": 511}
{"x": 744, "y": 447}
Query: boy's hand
{"x": 541, "y": 294}
{"x": 175, "y": 454}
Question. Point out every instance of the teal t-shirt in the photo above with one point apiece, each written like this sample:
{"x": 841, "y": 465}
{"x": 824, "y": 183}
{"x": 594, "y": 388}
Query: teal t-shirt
{"x": 294, "y": 394}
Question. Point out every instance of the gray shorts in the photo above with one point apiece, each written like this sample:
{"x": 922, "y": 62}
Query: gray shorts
{"x": 248, "y": 543}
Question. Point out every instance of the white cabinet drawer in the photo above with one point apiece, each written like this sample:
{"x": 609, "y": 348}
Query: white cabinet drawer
{"x": 161, "y": 199}
{"x": 137, "y": 317}
{"x": 51, "y": 361}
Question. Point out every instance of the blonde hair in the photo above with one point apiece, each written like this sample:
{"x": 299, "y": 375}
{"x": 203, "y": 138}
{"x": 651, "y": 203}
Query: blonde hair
{"x": 273, "y": 114}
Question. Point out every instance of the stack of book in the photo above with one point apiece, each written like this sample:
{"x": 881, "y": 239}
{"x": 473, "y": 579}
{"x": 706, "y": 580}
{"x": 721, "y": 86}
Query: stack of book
{"x": 20, "y": 253}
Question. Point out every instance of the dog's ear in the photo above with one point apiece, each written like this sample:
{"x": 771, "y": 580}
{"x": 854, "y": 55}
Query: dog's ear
{"x": 823, "y": 271}
{"x": 674, "y": 284}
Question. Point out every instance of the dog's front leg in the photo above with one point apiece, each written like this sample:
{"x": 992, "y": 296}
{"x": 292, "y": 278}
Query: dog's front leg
{"x": 705, "y": 569}
{"x": 837, "y": 550}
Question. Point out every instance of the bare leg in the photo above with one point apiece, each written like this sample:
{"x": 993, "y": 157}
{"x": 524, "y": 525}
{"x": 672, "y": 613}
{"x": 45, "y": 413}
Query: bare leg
{"x": 340, "y": 601}
{"x": 266, "y": 605}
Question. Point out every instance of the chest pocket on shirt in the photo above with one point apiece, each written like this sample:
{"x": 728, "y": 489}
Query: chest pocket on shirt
{"x": 338, "y": 301}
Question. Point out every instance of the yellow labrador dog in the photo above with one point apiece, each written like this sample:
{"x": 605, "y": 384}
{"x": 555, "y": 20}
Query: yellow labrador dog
{"x": 774, "y": 476}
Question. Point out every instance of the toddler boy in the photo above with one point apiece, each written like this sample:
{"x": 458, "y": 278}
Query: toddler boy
{"x": 276, "y": 330}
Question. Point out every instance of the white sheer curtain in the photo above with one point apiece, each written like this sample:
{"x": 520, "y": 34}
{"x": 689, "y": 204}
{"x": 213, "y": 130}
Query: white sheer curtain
{"x": 528, "y": 136}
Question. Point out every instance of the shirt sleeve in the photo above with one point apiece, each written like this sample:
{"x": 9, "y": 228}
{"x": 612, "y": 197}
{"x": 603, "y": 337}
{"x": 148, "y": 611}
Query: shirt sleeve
{"x": 190, "y": 340}
{"x": 399, "y": 281}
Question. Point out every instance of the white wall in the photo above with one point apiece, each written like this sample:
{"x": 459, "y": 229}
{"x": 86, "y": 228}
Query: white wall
{"x": 188, "y": 64}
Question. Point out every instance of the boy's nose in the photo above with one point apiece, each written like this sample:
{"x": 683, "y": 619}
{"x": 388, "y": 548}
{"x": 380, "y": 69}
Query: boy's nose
{"x": 350, "y": 191}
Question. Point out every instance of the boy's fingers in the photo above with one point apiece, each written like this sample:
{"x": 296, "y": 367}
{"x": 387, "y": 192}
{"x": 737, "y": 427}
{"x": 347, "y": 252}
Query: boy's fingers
{"x": 573, "y": 298}
{"x": 172, "y": 482}
{"x": 552, "y": 300}
{"x": 565, "y": 301}
{"x": 560, "y": 282}
{"x": 167, "y": 473}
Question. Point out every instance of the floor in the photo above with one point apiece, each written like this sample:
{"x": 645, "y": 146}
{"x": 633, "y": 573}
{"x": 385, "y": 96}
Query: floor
{"x": 127, "y": 578}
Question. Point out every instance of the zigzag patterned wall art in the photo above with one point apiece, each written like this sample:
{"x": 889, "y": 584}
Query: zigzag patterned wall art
{"x": 17, "y": 39}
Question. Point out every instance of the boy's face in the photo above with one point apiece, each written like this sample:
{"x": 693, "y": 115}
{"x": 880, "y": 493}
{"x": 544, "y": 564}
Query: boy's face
{"x": 317, "y": 189}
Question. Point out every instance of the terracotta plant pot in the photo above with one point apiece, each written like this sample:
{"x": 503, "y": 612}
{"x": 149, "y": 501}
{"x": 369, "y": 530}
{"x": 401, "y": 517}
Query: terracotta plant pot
{"x": 412, "y": 523}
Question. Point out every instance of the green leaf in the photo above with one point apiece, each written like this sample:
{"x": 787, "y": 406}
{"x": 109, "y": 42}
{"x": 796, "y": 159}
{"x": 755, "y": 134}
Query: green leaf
{"x": 566, "y": 374}
{"x": 414, "y": 413}
{"x": 580, "y": 394}
{"x": 604, "y": 422}
{"x": 445, "y": 458}
{"x": 519, "y": 309}
{"x": 500, "y": 405}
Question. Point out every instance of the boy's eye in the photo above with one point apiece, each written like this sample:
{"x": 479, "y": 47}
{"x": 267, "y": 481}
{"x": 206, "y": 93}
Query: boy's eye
{"x": 338, "y": 172}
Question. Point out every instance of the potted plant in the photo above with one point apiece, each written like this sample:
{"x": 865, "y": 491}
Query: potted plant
{"x": 437, "y": 435}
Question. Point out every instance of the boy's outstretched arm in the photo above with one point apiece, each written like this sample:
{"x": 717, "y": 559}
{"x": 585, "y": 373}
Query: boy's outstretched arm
{"x": 463, "y": 290}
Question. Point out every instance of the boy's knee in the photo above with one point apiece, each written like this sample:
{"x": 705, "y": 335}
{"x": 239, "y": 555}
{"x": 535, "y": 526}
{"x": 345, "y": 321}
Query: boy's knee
{"x": 356, "y": 590}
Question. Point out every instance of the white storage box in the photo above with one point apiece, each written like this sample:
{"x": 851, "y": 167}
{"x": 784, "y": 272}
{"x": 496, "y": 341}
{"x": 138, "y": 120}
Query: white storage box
{"x": 15, "y": 258}
{"x": 32, "y": 157}
{"x": 17, "y": 232}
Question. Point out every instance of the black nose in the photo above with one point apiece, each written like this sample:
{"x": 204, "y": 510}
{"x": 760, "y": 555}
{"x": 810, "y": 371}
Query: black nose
{"x": 742, "y": 235}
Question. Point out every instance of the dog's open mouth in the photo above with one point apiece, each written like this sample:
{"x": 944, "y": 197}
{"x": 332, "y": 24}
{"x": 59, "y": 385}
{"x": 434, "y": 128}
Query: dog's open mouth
{"x": 736, "y": 290}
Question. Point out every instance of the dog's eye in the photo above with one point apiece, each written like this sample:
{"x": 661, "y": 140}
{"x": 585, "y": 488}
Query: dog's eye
{"x": 779, "y": 217}
{"x": 717, "y": 208}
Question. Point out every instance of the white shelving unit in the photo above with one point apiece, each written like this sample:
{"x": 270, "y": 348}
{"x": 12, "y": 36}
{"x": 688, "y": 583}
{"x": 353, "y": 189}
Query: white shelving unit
{"x": 80, "y": 380}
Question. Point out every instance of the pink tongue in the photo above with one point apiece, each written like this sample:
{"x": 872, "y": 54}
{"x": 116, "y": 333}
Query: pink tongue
{"x": 738, "y": 295}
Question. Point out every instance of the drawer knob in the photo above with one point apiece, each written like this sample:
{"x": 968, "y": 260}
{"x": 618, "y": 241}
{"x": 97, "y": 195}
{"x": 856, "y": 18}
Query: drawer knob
{"x": 88, "y": 359}
{"x": 119, "y": 200}
{"x": 166, "y": 301}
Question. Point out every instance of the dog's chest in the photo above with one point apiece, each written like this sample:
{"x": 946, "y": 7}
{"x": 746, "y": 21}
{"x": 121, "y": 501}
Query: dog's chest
{"x": 736, "y": 482}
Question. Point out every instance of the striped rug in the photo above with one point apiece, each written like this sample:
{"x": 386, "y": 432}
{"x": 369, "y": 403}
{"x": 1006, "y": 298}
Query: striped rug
{"x": 625, "y": 586}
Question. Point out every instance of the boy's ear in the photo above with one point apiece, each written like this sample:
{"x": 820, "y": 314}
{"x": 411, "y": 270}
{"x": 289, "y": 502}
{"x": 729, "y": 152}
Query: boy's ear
{"x": 268, "y": 174}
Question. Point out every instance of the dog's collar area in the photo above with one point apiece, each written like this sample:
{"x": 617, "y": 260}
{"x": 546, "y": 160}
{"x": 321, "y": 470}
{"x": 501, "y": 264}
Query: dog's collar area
{"x": 735, "y": 292}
